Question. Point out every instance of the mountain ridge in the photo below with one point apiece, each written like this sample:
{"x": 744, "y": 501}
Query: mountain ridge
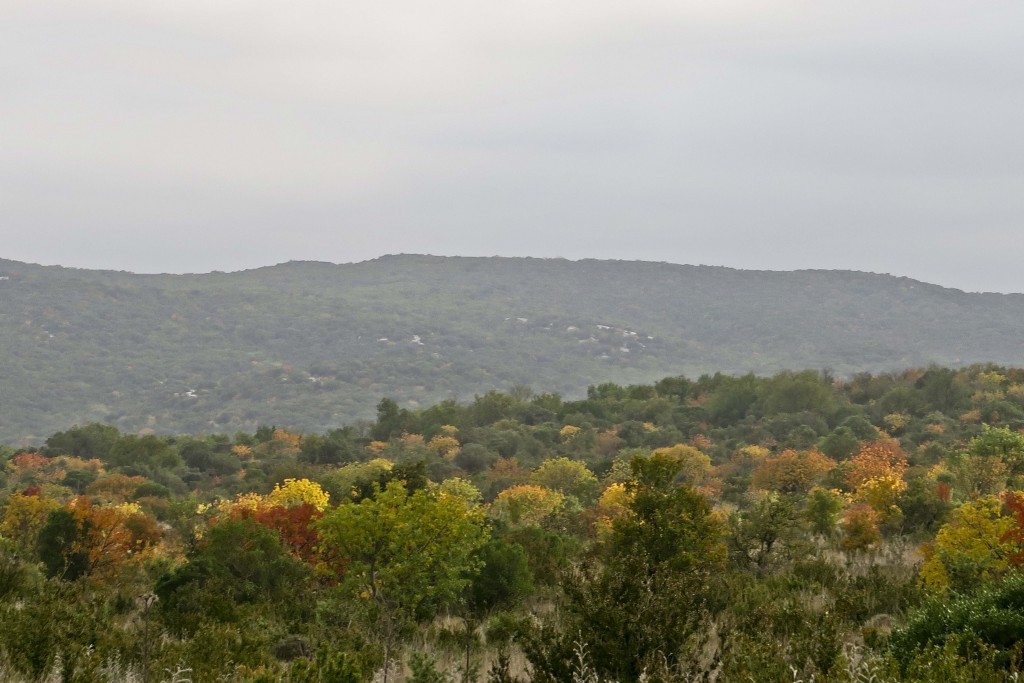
{"x": 387, "y": 258}
{"x": 313, "y": 345}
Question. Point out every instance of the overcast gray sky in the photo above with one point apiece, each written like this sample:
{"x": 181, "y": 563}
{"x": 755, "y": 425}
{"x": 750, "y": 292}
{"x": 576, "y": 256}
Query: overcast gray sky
{"x": 197, "y": 135}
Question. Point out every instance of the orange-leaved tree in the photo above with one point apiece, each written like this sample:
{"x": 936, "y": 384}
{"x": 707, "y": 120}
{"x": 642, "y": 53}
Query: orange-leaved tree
{"x": 792, "y": 471}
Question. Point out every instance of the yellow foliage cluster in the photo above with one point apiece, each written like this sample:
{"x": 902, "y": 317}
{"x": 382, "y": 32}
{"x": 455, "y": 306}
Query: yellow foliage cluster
{"x": 250, "y": 502}
{"x": 569, "y": 433}
{"x": 115, "y": 487}
{"x": 71, "y": 462}
{"x": 1016, "y": 392}
{"x": 896, "y": 421}
{"x": 525, "y": 505}
{"x": 752, "y": 453}
{"x": 694, "y": 465}
{"x": 292, "y": 493}
{"x": 613, "y": 503}
{"x": 128, "y": 509}
{"x": 461, "y": 488}
{"x": 445, "y": 446}
{"x": 23, "y": 517}
{"x": 702, "y": 442}
{"x": 970, "y": 547}
{"x": 882, "y": 493}
{"x": 295, "y": 492}
{"x": 508, "y": 469}
{"x": 973, "y": 416}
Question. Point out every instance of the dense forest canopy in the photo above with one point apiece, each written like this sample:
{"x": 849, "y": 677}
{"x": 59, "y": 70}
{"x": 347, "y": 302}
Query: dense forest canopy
{"x": 723, "y": 528}
{"x": 310, "y": 346}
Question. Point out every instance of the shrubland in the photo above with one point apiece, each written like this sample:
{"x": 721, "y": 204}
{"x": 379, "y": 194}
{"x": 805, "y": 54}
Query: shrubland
{"x": 790, "y": 528}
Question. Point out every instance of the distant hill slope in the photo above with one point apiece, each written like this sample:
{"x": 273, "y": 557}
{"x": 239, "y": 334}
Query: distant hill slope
{"x": 315, "y": 345}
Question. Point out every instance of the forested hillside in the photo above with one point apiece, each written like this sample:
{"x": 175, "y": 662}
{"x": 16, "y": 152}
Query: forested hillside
{"x": 314, "y": 345}
{"x": 721, "y": 529}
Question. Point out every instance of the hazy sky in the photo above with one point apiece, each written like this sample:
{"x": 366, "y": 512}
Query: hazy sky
{"x": 193, "y": 135}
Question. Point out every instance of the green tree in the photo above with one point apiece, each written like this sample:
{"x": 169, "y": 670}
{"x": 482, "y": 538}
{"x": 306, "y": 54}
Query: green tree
{"x": 822, "y": 511}
{"x": 237, "y": 563}
{"x": 941, "y": 390}
{"x": 91, "y": 441}
{"x": 60, "y": 546}
{"x": 756, "y": 536}
{"x": 406, "y": 555}
{"x": 1000, "y": 442}
{"x": 504, "y": 579}
{"x": 570, "y": 477}
{"x": 391, "y": 421}
{"x": 840, "y": 444}
{"x": 647, "y": 591}
{"x": 148, "y": 451}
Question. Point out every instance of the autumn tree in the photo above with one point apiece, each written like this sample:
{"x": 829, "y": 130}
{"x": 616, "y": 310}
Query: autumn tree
{"x": 115, "y": 488}
{"x": 526, "y": 505}
{"x": 1014, "y": 502}
{"x": 693, "y": 465}
{"x": 613, "y": 503}
{"x": 295, "y": 492}
{"x": 978, "y": 475}
{"x": 24, "y": 516}
{"x": 975, "y": 545}
{"x": 345, "y": 481}
{"x": 82, "y": 539}
{"x": 792, "y": 471}
{"x": 860, "y": 531}
{"x": 881, "y": 457}
{"x": 875, "y": 475}
{"x": 294, "y": 525}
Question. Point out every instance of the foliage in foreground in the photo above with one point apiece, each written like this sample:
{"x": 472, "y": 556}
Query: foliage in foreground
{"x": 724, "y": 529}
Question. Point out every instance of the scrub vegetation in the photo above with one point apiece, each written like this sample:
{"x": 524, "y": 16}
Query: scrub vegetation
{"x": 729, "y": 528}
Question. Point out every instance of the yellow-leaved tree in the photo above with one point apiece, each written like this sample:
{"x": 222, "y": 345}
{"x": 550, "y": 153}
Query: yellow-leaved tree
{"x": 972, "y": 547}
{"x": 23, "y": 518}
{"x": 526, "y": 505}
{"x": 694, "y": 466}
{"x": 295, "y": 492}
{"x": 612, "y": 504}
